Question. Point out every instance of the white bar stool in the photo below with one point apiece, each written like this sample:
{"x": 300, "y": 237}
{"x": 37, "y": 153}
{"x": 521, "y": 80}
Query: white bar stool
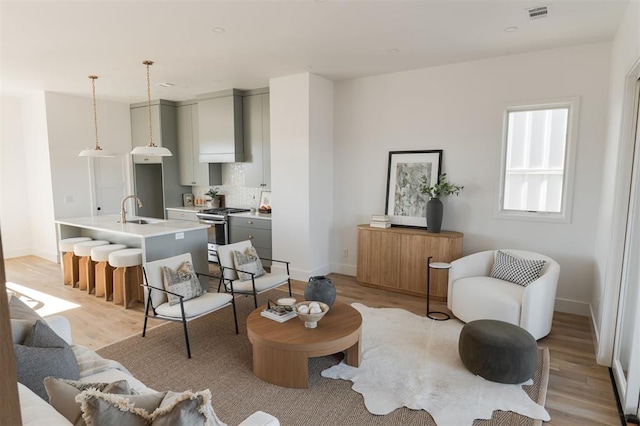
{"x": 127, "y": 277}
{"x": 86, "y": 268}
{"x": 70, "y": 260}
{"x": 103, "y": 271}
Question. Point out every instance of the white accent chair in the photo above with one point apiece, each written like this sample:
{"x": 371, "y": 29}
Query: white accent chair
{"x": 474, "y": 295}
{"x": 187, "y": 310}
{"x": 254, "y": 286}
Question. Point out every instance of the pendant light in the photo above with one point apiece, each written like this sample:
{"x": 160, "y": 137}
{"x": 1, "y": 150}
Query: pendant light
{"x": 96, "y": 151}
{"x": 150, "y": 149}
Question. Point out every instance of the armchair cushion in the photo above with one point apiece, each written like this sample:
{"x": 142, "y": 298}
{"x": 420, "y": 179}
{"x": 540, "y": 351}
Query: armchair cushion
{"x": 182, "y": 281}
{"x": 516, "y": 270}
{"x": 263, "y": 283}
{"x": 247, "y": 261}
{"x": 195, "y": 307}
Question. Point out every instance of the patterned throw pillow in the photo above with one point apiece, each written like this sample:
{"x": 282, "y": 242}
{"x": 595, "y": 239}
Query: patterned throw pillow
{"x": 182, "y": 281}
{"x": 516, "y": 270}
{"x": 249, "y": 261}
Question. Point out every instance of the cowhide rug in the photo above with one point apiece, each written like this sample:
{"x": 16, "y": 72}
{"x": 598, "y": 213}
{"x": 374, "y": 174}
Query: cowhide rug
{"x": 413, "y": 361}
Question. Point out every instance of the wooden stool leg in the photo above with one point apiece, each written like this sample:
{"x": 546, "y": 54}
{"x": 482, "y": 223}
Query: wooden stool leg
{"x": 91, "y": 275}
{"x": 118, "y": 285}
{"x": 101, "y": 278}
{"x": 108, "y": 282}
{"x": 83, "y": 268}
{"x": 67, "y": 267}
{"x": 137, "y": 281}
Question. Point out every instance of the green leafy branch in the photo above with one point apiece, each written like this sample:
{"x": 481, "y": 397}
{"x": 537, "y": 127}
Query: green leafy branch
{"x": 212, "y": 192}
{"x": 442, "y": 188}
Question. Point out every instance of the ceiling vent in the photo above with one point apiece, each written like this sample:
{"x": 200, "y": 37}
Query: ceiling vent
{"x": 538, "y": 12}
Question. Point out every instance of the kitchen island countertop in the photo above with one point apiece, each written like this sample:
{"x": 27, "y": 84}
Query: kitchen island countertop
{"x": 111, "y": 223}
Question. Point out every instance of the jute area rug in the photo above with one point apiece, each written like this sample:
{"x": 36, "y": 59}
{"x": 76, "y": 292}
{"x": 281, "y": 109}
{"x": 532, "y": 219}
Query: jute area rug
{"x": 222, "y": 362}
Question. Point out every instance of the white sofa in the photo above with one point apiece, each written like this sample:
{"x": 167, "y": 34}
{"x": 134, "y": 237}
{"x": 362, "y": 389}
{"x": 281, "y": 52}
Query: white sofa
{"x": 94, "y": 369}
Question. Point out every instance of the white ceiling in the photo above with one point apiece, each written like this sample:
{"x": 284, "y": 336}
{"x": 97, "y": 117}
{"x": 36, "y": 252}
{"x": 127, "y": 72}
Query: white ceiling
{"x": 54, "y": 45}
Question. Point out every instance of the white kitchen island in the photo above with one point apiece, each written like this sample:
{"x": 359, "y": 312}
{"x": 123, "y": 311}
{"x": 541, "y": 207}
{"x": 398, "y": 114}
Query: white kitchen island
{"x": 159, "y": 239}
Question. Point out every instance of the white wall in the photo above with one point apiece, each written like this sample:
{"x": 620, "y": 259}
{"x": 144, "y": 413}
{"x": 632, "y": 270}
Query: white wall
{"x": 42, "y": 137}
{"x": 615, "y": 184}
{"x": 14, "y": 211}
{"x": 458, "y": 108}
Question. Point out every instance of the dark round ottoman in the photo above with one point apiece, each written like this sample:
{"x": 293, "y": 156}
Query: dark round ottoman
{"x": 498, "y": 351}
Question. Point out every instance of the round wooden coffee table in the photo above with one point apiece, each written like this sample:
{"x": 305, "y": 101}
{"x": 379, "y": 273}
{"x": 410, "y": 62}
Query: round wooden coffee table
{"x": 281, "y": 351}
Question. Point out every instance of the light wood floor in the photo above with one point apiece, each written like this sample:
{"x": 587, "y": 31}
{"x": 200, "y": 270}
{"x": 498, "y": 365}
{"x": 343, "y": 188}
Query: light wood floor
{"x": 580, "y": 391}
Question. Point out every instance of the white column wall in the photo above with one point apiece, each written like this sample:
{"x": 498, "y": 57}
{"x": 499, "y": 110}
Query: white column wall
{"x": 289, "y": 110}
{"x": 302, "y": 172}
{"x": 14, "y": 211}
{"x": 459, "y": 108}
{"x": 617, "y": 162}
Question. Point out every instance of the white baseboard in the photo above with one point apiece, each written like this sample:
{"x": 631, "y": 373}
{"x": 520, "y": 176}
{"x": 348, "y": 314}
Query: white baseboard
{"x": 299, "y": 274}
{"x": 573, "y": 307}
{"x": 51, "y": 257}
{"x": 342, "y": 268}
{"x": 16, "y": 253}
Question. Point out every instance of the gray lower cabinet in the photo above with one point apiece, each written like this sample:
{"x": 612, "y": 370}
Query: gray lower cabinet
{"x": 258, "y": 231}
{"x": 257, "y": 146}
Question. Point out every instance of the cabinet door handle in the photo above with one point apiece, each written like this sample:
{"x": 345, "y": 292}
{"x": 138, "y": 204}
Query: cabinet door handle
{"x": 250, "y": 222}
{"x": 181, "y": 214}
{"x": 251, "y": 237}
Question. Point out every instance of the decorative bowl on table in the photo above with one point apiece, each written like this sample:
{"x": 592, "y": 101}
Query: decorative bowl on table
{"x": 311, "y": 312}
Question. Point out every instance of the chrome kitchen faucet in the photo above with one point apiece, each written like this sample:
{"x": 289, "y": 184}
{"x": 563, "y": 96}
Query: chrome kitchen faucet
{"x": 123, "y": 212}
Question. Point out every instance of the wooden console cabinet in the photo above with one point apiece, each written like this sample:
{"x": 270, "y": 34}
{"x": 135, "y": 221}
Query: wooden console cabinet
{"x": 395, "y": 259}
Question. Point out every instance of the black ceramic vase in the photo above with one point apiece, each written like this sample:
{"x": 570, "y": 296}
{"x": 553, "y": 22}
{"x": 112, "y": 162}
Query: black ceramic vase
{"x": 434, "y": 215}
{"x": 320, "y": 288}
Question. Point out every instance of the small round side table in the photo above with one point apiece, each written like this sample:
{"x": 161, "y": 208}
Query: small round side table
{"x": 442, "y": 316}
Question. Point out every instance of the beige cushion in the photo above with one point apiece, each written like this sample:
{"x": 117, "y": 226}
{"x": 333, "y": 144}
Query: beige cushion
{"x": 62, "y": 394}
{"x": 101, "y": 253}
{"x": 125, "y": 258}
{"x": 225, "y": 257}
{"x": 247, "y": 261}
{"x": 182, "y": 281}
{"x": 36, "y": 412}
{"x": 84, "y": 248}
{"x": 160, "y": 409}
{"x": 263, "y": 283}
{"x": 206, "y": 303}
{"x": 67, "y": 244}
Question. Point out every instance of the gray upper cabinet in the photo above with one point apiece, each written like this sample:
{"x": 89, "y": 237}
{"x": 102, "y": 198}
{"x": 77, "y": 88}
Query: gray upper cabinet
{"x": 140, "y": 129}
{"x": 220, "y": 127}
{"x": 257, "y": 141}
{"x": 192, "y": 171}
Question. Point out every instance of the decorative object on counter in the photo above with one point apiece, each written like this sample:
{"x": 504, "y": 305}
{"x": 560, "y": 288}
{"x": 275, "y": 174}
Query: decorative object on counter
{"x": 96, "y": 151}
{"x": 187, "y": 200}
{"x": 311, "y": 312}
{"x": 380, "y": 221}
{"x": 320, "y": 288}
{"x": 265, "y": 202}
{"x": 442, "y": 188}
{"x": 151, "y": 148}
{"x": 406, "y": 205}
{"x": 213, "y": 193}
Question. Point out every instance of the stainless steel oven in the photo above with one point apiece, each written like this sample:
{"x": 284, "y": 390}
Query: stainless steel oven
{"x": 218, "y": 232}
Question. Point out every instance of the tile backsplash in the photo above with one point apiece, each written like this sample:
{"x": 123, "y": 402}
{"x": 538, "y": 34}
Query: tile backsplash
{"x": 235, "y": 193}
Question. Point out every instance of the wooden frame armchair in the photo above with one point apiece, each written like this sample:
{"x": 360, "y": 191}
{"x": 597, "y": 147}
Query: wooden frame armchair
{"x": 186, "y": 310}
{"x": 257, "y": 284}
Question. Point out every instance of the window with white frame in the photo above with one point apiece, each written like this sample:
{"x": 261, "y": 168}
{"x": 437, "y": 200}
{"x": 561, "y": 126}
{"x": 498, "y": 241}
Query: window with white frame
{"x": 538, "y": 150}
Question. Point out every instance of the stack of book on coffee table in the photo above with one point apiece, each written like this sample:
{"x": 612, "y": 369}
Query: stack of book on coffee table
{"x": 380, "y": 221}
{"x": 277, "y": 314}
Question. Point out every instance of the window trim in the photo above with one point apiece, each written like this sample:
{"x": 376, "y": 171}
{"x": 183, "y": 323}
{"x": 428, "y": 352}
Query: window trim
{"x": 564, "y": 216}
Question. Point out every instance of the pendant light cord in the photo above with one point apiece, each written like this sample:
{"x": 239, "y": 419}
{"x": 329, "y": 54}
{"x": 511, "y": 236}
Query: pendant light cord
{"x": 148, "y": 64}
{"x": 95, "y": 108}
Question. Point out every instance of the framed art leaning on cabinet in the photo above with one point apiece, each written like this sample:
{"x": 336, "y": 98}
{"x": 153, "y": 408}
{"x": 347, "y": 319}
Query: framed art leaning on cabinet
{"x": 405, "y": 204}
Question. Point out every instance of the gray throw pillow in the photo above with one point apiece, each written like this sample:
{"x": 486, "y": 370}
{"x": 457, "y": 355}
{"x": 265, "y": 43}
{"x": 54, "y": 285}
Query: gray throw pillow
{"x": 516, "y": 270}
{"x": 44, "y": 354}
{"x": 249, "y": 261}
{"x": 183, "y": 281}
{"x": 62, "y": 395}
